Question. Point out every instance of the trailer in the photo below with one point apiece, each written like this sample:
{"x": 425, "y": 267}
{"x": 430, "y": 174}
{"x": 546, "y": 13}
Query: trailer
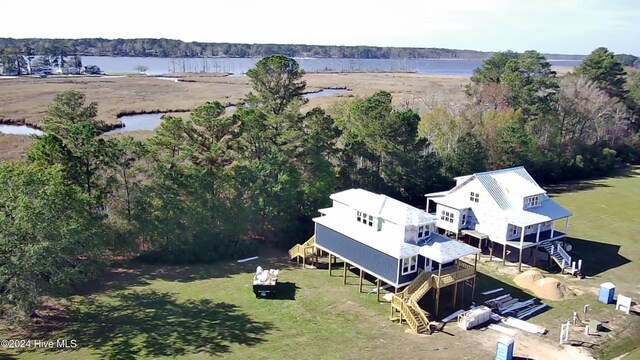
{"x": 265, "y": 283}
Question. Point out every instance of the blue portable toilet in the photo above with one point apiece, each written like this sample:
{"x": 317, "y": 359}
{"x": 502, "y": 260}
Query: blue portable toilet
{"x": 607, "y": 290}
{"x": 504, "y": 348}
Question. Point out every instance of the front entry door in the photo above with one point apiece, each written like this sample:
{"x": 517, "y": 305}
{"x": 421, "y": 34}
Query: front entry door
{"x": 427, "y": 265}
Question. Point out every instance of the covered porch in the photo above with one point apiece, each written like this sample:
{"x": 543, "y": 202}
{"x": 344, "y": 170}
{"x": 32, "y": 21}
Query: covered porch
{"x": 536, "y": 238}
{"x": 445, "y": 251}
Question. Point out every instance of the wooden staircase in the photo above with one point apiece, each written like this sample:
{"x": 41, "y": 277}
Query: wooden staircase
{"x": 304, "y": 250}
{"x": 559, "y": 256}
{"x": 407, "y": 303}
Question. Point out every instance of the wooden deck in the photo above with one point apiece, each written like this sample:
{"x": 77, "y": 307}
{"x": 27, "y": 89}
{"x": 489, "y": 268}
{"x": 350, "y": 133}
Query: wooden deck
{"x": 461, "y": 271}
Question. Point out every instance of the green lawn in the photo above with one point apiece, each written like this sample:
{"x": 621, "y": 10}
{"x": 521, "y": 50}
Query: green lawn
{"x": 606, "y": 226}
{"x": 205, "y": 312}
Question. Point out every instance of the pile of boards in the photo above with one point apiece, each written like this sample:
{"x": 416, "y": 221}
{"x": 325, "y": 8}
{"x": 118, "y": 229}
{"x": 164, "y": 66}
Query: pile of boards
{"x": 508, "y": 305}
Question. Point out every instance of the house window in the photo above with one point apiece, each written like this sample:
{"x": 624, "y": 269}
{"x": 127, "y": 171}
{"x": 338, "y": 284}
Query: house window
{"x": 514, "y": 230}
{"x": 529, "y": 227}
{"x": 464, "y": 219}
{"x": 409, "y": 265}
{"x": 547, "y": 224}
{"x": 446, "y": 216}
{"x": 475, "y": 197}
{"x": 423, "y": 231}
{"x": 532, "y": 201}
{"x": 364, "y": 218}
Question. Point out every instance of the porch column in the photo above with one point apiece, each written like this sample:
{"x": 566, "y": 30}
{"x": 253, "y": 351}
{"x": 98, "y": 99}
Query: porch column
{"x": 438, "y": 288}
{"x": 553, "y": 228}
{"x": 538, "y": 234}
{"x": 521, "y": 246}
{"x": 504, "y": 254}
{"x": 361, "y": 275}
{"x": 490, "y": 243}
{"x": 455, "y": 288}
{"x": 475, "y": 273}
{"x": 566, "y": 227}
{"x": 330, "y": 261}
{"x": 378, "y": 290}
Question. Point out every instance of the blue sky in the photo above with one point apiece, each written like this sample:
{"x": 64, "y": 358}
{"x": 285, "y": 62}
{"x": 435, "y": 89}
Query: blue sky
{"x": 551, "y": 26}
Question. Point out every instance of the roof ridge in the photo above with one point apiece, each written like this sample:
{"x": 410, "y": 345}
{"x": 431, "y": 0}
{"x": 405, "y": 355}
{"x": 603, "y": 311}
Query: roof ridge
{"x": 501, "y": 170}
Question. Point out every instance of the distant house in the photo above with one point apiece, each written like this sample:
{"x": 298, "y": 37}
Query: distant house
{"x": 41, "y": 70}
{"x": 92, "y": 70}
{"x": 393, "y": 242}
{"x": 68, "y": 71}
{"x": 505, "y": 207}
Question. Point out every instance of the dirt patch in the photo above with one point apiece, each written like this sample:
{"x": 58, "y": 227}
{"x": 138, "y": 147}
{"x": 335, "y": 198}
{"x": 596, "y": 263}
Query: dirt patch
{"x": 547, "y": 288}
{"x": 353, "y": 308}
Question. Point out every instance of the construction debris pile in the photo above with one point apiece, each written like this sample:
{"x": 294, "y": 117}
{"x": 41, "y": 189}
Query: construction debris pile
{"x": 543, "y": 287}
{"x": 265, "y": 277}
{"x": 506, "y": 313}
{"x": 508, "y": 305}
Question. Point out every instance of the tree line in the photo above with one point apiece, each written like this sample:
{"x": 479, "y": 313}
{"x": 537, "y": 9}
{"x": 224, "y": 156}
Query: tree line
{"x": 214, "y": 186}
{"x": 177, "y": 48}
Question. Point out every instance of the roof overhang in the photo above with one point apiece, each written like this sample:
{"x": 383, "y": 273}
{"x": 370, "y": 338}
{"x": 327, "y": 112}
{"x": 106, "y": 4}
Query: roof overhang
{"x": 445, "y": 250}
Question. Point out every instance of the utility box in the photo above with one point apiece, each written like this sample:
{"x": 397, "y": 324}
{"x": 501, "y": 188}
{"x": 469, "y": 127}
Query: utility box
{"x": 607, "y": 290}
{"x": 504, "y": 348}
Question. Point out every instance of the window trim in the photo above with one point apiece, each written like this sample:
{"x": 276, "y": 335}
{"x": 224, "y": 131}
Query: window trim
{"x": 424, "y": 231}
{"x": 364, "y": 218}
{"x": 532, "y": 201}
{"x": 411, "y": 262}
{"x": 446, "y": 216}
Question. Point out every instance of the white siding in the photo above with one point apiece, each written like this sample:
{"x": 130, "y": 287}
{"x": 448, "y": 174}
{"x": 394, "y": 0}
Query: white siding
{"x": 446, "y": 225}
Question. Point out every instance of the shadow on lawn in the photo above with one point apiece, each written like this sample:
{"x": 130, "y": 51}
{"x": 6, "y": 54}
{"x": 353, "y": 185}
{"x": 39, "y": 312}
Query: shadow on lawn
{"x": 581, "y": 185}
{"x": 597, "y": 257}
{"x": 125, "y": 275}
{"x": 153, "y": 324}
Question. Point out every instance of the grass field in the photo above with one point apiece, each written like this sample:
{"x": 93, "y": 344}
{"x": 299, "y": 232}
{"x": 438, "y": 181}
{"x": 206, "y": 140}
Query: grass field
{"x": 208, "y": 311}
{"x": 26, "y": 99}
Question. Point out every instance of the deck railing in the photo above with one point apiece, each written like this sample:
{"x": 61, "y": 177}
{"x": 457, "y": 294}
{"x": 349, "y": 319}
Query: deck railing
{"x": 565, "y": 257}
{"x": 416, "y": 308}
{"x": 459, "y": 272}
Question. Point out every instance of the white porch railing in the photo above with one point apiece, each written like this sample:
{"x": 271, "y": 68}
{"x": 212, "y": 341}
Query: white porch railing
{"x": 566, "y": 259}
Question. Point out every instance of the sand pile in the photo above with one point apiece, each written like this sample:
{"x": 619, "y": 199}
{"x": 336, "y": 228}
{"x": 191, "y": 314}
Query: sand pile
{"x": 527, "y": 279}
{"x": 543, "y": 287}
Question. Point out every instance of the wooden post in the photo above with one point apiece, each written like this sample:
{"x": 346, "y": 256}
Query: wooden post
{"x": 455, "y": 288}
{"x": 304, "y": 259}
{"x": 473, "y": 289}
{"x": 438, "y": 289}
{"x": 330, "y": 261}
{"x": 455, "y": 293}
{"x": 490, "y": 251}
{"x": 378, "y": 290}
{"x": 520, "y": 261}
{"x": 361, "y": 275}
{"x": 504, "y": 254}
{"x": 522, "y": 230}
{"x": 344, "y": 272}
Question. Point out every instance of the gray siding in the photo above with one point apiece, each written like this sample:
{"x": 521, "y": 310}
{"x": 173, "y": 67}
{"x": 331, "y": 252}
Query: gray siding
{"x": 376, "y": 262}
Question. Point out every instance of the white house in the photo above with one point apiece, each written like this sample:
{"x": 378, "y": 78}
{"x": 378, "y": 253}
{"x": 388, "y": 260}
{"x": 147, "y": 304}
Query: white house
{"x": 503, "y": 206}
